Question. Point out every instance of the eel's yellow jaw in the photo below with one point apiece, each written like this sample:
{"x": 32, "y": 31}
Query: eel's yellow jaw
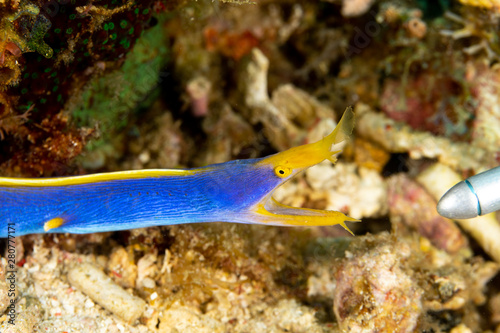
{"x": 270, "y": 211}
{"x": 287, "y": 164}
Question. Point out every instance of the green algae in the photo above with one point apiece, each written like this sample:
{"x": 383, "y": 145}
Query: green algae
{"x": 110, "y": 99}
{"x": 29, "y": 36}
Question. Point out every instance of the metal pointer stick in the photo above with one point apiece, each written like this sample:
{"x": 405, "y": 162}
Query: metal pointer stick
{"x": 477, "y": 195}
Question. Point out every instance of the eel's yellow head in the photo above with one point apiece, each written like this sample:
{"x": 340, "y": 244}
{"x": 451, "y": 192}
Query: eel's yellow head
{"x": 290, "y": 162}
{"x": 294, "y": 160}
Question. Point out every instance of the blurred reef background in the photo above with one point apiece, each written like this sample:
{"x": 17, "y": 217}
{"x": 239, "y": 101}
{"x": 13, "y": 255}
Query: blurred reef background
{"x": 92, "y": 86}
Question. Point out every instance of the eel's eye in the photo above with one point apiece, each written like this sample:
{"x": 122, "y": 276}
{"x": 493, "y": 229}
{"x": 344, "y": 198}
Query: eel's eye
{"x": 282, "y": 172}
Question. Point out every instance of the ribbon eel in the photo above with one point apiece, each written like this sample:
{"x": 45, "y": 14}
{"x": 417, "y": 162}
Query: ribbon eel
{"x": 236, "y": 191}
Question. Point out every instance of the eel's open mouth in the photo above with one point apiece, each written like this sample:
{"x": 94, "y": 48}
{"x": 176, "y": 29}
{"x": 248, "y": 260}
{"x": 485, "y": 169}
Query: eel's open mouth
{"x": 290, "y": 162}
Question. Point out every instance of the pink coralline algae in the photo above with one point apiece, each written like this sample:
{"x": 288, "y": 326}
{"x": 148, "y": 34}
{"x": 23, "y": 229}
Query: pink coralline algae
{"x": 375, "y": 294}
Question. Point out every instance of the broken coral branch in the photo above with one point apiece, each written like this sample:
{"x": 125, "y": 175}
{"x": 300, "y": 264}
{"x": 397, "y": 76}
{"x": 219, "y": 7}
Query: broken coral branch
{"x": 397, "y": 137}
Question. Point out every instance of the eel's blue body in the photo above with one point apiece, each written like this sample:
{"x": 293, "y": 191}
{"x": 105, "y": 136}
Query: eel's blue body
{"x": 235, "y": 191}
{"x": 203, "y": 195}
